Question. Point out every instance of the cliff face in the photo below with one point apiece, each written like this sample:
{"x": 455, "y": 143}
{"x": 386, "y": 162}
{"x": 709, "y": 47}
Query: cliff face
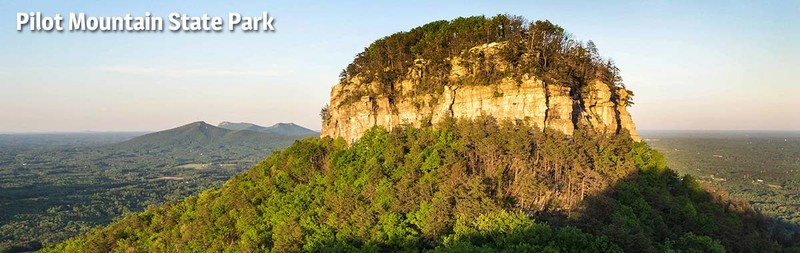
{"x": 528, "y": 99}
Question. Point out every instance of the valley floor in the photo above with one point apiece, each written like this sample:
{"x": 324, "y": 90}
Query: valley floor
{"x": 761, "y": 167}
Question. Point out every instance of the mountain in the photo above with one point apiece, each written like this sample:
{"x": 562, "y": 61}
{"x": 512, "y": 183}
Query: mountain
{"x": 192, "y": 134}
{"x": 198, "y": 134}
{"x": 522, "y": 94}
{"x": 279, "y": 128}
{"x": 426, "y": 75}
{"x": 239, "y": 126}
{"x": 389, "y": 175}
{"x": 199, "y": 137}
{"x": 289, "y": 129}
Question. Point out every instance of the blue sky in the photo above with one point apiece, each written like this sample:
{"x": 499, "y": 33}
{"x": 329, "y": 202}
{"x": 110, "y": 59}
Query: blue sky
{"x": 692, "y": 64}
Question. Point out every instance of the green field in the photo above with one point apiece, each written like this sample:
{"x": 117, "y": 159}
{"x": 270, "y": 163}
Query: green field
{"x": 196, "y": 166}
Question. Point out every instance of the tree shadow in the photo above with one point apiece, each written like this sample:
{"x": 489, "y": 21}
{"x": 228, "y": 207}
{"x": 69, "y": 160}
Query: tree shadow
{"x": 655, "y": 210}
{"x": 651, "y": 210}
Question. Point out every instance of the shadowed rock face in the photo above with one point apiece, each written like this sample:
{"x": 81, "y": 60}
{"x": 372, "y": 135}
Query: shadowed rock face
{"x": 528, "y": 99}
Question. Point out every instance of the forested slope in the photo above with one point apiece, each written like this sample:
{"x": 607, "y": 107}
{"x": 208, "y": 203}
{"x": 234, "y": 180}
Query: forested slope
{"x": 467, "y": 186}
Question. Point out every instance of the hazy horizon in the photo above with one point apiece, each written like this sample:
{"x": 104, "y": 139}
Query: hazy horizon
{"x": 692, "y": 65}
{"x": 154, "y": 130}
{"x": 640, "y": 131}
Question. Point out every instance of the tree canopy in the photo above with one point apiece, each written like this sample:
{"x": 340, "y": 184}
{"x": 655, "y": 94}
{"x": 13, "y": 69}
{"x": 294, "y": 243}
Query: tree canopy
{"x": 466, "y": 186}
{"x": 539, "y": 48}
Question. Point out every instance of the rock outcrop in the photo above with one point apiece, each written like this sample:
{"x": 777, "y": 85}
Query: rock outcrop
{"x": 529, "y": 99}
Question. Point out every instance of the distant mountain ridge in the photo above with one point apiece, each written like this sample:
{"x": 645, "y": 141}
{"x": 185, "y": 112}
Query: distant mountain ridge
{"x": 279, "y": 128}
{"x": 201, "y": 134}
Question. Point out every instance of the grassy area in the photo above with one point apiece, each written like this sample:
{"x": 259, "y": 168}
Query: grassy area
{"x": 195, "y": 166}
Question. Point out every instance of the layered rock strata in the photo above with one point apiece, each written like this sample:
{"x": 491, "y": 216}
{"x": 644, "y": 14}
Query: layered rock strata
{"x": 528, "y": 99}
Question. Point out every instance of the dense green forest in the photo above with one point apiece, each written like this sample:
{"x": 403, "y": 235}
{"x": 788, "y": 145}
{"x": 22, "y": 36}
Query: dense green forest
{"x": 540, "y": 48}
{"x": 466, "y": 186}
{"x": 56, "y": 186}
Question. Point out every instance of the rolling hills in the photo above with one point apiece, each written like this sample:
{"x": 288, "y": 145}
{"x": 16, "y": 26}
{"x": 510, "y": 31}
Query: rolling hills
{"x": 55, "y": 186}
{"x": 203, "y": 135}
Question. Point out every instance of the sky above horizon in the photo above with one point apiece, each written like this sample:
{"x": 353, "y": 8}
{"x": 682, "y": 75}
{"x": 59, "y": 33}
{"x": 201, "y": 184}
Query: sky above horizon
{"x": 693, "y": 65}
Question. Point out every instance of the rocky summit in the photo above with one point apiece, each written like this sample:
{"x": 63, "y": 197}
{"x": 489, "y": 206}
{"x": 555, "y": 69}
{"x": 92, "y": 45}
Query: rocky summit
{"x": 601, "y": 107}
